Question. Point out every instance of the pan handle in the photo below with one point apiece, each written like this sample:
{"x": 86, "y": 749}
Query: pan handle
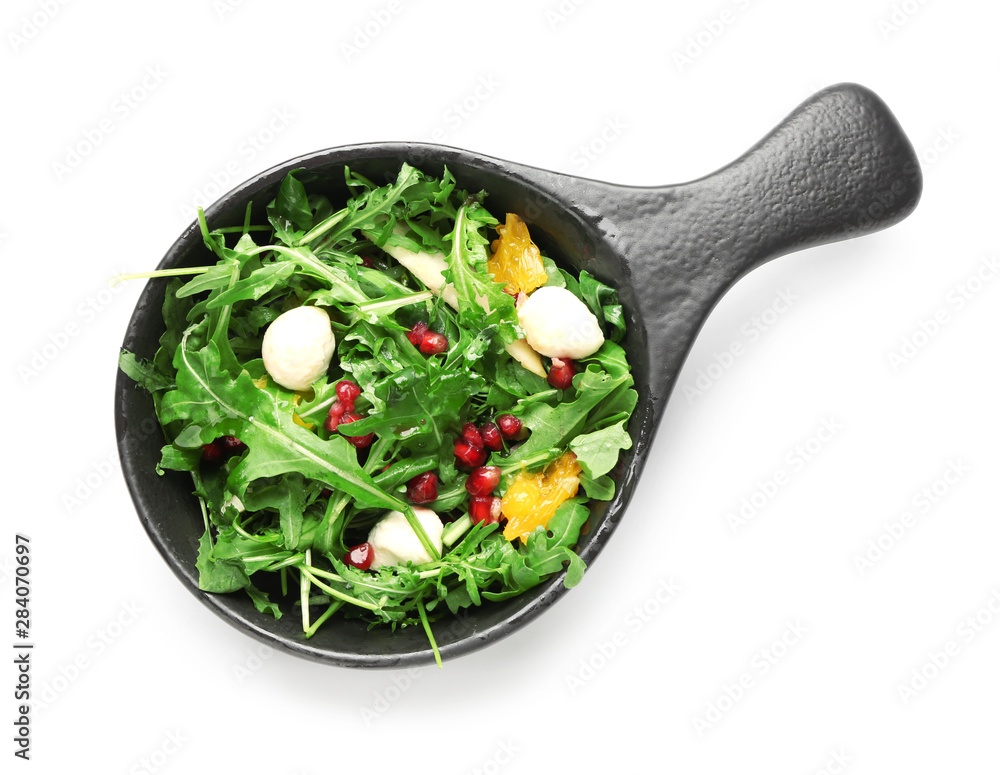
{"x": 838, "y": 166}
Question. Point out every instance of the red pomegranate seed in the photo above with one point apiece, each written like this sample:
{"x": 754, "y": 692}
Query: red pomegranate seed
{"x": 484, "y": 508}
{"x": 483, "y": 480}
{"x": 358, "y": 441}
{"x": 433, "y": 343}
{"x": 347, "y": 393}
{"x": 367, "y": 263}
{"x": 360, "y": 556}
{"x": 417, "y": 333}
{"x": 232, "y": 445}
{"x": 561, "y": 373}
{"x": 469, "y": 454}
{"x": 422, "y": 488}
{"x": 510, "y": 426}
{"x": 471, "y": 434}
{"x": 333, "y": 417}
{"x": 212, "y": 453}
{"x": 491, "y": 436}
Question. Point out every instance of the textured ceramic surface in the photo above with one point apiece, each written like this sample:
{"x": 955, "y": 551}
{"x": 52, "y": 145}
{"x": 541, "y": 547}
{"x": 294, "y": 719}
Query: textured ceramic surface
{"x": 839, "y": 166}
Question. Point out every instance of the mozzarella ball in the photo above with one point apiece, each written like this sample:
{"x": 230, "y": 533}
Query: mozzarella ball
{"x": 557, "y": 324}
{"x": 394, "y": 542}
{"x": 298, "y": 346}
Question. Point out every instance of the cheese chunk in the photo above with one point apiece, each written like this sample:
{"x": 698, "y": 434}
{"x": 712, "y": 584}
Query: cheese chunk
{"x": 298, "y": 346}
{"x": 394, "y": 542}
{"x": 557, "y": 324}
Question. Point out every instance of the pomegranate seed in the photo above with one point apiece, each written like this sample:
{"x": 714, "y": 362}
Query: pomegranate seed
{"x": 347, "y": 393}
{"x": 510, "y": 426}
{"x": 212, "y": 453}
{"x": 367, "y": 263}
{"x": 561, "y": 373}
{"x": 422, "y": 488}
{"x": 416, "y": 334}
{"x": 470, "y": 455}
{"x": 358, "y": 441}
{"x": 490, "y": 434}
{"x": 483, "y": 480}
{"x": 232, "y": 445}
{"x": 484, "y": 508}
{"x": 350, "y": 417}
{"x": 333, "y": 417}
{"x": 471, "y": 434}
{"x": 360, "y": 556}
{"x": 433, "y": 343}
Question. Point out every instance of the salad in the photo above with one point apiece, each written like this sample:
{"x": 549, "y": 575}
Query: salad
{"x": 392, "y": 410}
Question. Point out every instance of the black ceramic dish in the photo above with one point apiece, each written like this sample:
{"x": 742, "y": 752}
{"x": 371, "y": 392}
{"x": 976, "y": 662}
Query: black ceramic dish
{"x": 839, "y": 166}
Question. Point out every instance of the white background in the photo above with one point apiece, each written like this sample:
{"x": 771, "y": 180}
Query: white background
{"x": 132, "y": 672}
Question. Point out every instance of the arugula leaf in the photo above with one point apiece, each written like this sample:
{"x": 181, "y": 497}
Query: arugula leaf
{"x": 216, "y": 277}
{"x": 217, "y": 575}
{"x": 366, "y": 212}
{"x": 214, "y": 404}
{"x": 292, "y": 202}
{"x": 603, "y": 302}
{"x": 256, "y": 285}
{"x": 553, "y": 427}
{"x": 285, "y": 495}
{"x": 597, "y": 452}
{"x": 143, "y": 372}
{"x": 600, "y": 489}
{"x": 482, "y": 302}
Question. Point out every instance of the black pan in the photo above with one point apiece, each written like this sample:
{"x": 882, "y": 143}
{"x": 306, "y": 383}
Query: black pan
{"x": 839, "y": 166}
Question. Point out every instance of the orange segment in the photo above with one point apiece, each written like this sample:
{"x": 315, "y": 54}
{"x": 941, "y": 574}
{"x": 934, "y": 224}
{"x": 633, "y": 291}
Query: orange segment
{"x": 532, "y": 499}
{"x": 516, "y": 261}
{"x": 296, "y": 400}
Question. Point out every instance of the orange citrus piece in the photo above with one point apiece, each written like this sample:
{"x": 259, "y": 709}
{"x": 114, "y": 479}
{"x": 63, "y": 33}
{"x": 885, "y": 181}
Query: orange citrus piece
{"x": 296, "y": 400}
{"x": 532, "y": 499}
{"x": 516, "y": 260}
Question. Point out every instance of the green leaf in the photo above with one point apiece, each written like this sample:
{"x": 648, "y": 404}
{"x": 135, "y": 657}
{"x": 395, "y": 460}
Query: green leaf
{"x": 256, "y": 285}
{"x": 262, "y": 602}
{"x": 555, "y": 277}
{"x": 215, "y": 575}
{"x": 369, "y": 212}
{"x": 597, "y": 452}
{"x": 214, "y": 404}
{"x": 175, "y": 459}
{"x": 600, "y": 489}
{"x": 555, "y": 426}
{"x": 603, "y": 302}
{"x": 215, "y": 278}
{"x": 482, "y": 302}
{"x": 287, "y": 497}
{"x": 292, "y": 202}
{"x": 143, "y": 372}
